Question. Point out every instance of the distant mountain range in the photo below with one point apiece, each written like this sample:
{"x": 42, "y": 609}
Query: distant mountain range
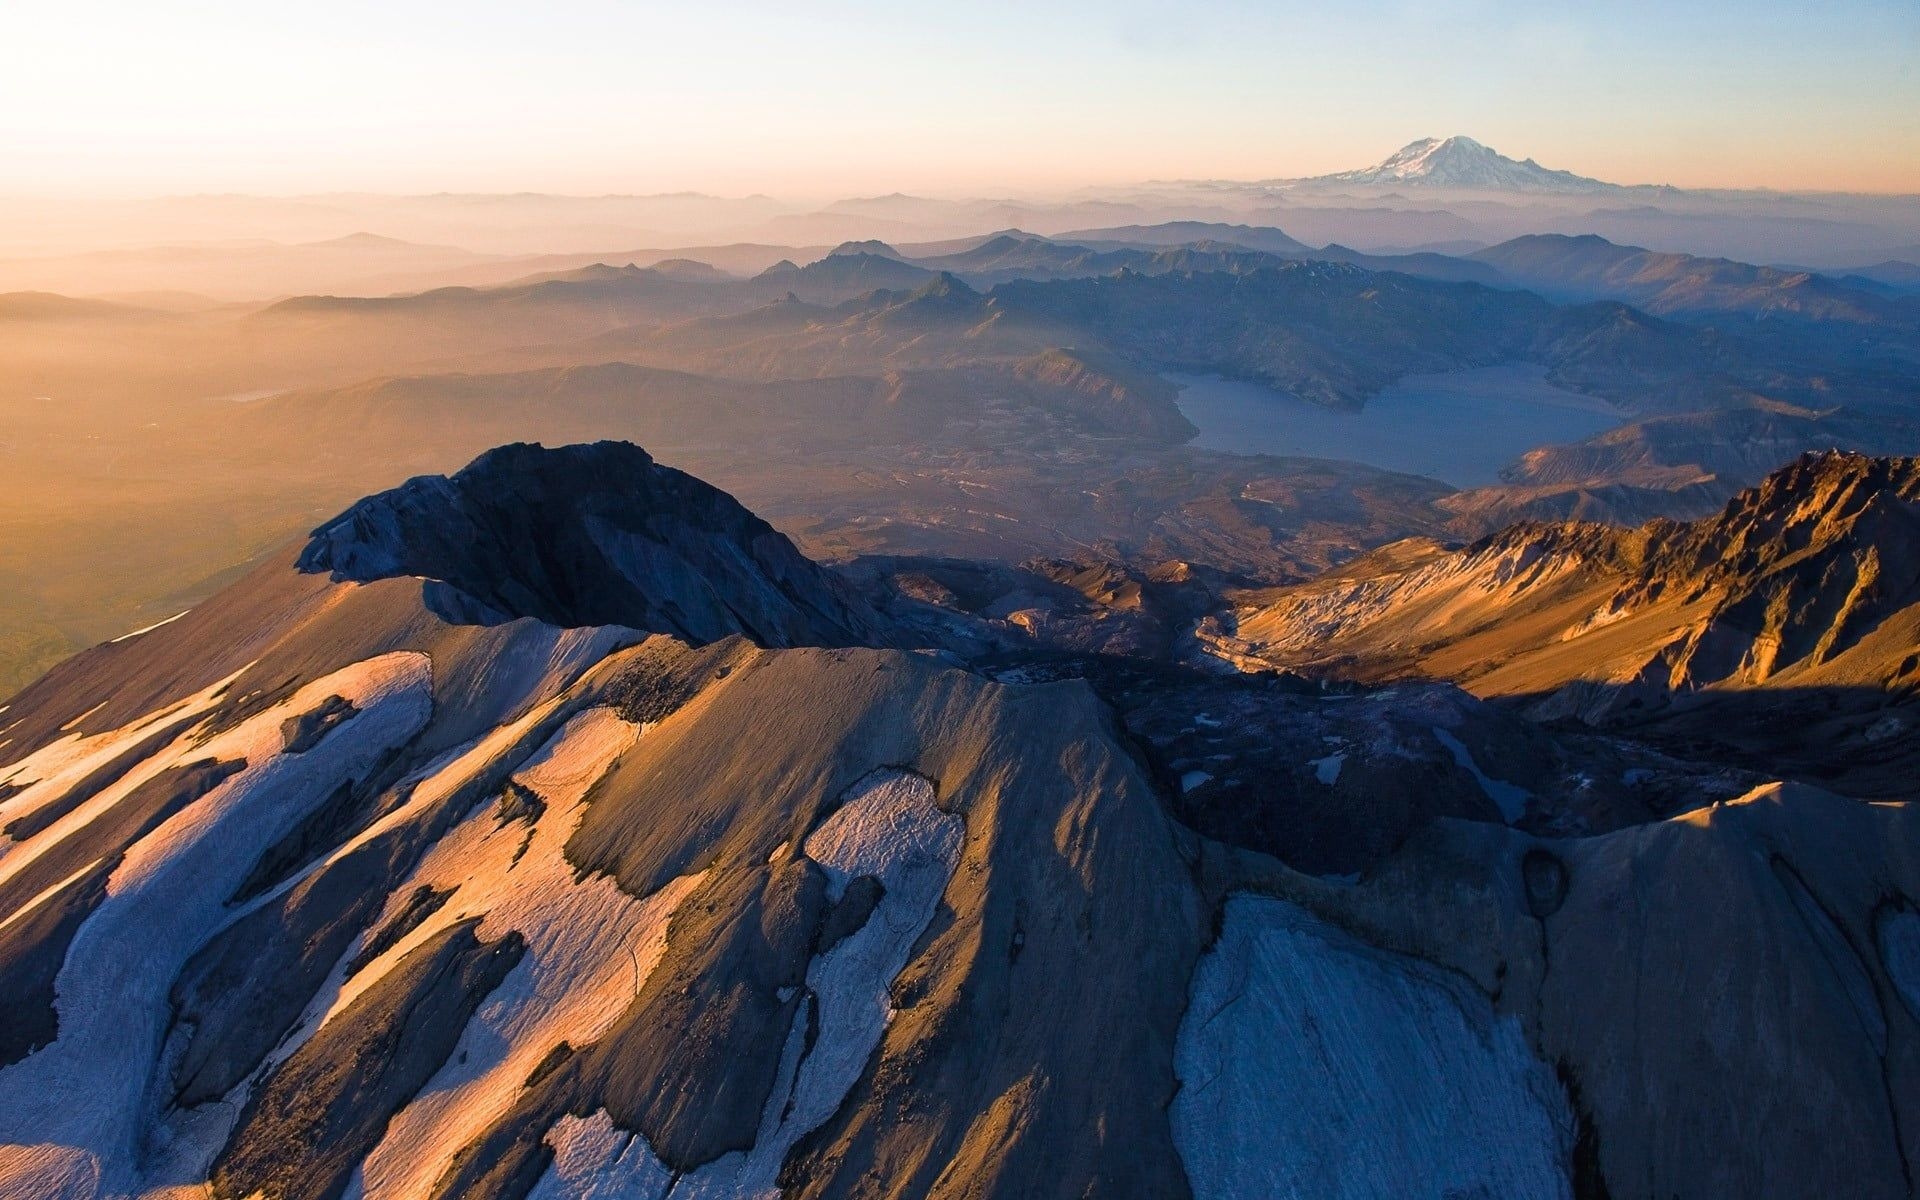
{"x": 1591, "y": 268}
{"x": 1724, "y": 370}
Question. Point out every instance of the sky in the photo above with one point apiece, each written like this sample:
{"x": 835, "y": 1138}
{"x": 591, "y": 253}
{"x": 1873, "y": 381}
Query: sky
{"x": 844, "y": 97}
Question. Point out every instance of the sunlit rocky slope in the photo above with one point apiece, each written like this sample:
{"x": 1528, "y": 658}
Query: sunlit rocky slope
{"x": 1807, "y": 579}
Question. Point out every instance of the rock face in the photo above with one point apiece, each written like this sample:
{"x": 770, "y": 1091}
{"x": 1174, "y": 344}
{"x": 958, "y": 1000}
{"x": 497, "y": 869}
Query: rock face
{"x": 1776, "y": 636}
{"x": 1797, "y": 571}
{"x": 591, "y": 535}
{"x": 806, "y": 927}
{"x": 374, "y": 887}
{"x": 1692, "y": 982}
{"x": 1811, "y": 576}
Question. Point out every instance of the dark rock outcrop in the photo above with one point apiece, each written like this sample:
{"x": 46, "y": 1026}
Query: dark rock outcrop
{"x": 318, "y": 1113}
{"x": 594, "y": 534}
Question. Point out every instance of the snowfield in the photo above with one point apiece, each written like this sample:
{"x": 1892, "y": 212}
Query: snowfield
{"x": 88, "y": 1091}
{"x": 890, "y": 828}
{"x": 590, "y": 948}
{"x": 1315, "y": 1067}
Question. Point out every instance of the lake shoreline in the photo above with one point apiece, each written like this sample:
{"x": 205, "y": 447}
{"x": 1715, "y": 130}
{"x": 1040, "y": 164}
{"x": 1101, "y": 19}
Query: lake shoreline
{"x": 1460, "y": 428}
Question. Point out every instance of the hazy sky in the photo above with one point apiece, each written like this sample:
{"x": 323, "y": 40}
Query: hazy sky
{"x": 841, "y": 96}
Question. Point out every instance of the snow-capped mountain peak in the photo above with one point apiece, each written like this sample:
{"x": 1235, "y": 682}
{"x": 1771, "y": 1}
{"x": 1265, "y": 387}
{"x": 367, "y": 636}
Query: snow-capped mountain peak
{"x": 1461, "y": 162}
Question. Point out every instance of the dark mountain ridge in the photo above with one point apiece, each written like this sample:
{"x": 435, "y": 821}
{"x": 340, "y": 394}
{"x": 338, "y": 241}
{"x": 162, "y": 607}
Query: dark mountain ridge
{"x": 1667, "y": 284}
{"x": 592, "y": 535}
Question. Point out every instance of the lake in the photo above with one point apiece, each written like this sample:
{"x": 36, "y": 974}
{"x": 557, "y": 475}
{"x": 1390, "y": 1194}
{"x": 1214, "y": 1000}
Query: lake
{"x": 1460, "y": 427}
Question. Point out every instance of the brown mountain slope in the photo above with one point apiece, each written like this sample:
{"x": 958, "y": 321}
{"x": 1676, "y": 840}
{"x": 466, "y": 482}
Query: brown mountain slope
{"x": 1810, "y": 579}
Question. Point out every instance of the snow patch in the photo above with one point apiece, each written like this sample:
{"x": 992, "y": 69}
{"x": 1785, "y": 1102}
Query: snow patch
{"x": 47, "y": 1172}
{"x": 1194, "y": 779}
{"x": 193, "y": 1137}
{"x": 594, "y": 1159}
{"x": 1327, "y": 770}
{"x": 1900, "y": 951}
{"x": 889, "y": 827}
{"x": 590, "y": 948}
{"x": 51, "y": 771}
{"x": 88, "y": 1091}
{"x": 452, "y": 771}
{"x": 1312, "y": 1065}
{"x": 1511, "y": 799}
{"x": 127, "y": 637}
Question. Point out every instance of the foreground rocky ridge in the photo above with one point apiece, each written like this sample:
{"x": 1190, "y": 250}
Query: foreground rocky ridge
{"x": 444, "y": 899}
